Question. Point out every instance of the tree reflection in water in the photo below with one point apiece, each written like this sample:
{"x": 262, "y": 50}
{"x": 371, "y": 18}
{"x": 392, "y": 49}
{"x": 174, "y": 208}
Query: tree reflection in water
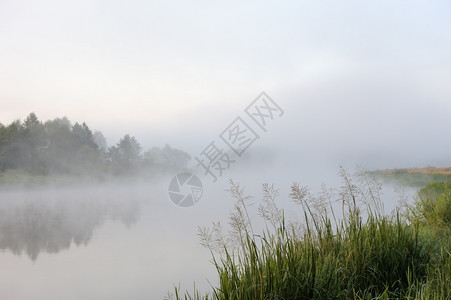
{"x": 53, "y": 220}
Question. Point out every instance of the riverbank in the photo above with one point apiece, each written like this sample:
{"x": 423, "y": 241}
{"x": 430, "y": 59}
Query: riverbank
{"x": 416, "y": 177}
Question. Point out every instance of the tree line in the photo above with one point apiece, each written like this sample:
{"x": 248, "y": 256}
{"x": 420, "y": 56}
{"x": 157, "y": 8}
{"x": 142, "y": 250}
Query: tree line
{"x": 59, "y": 147}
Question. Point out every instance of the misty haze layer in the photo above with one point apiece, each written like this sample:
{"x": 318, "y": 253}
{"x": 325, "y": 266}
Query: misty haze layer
{"x": 92, "y": 93}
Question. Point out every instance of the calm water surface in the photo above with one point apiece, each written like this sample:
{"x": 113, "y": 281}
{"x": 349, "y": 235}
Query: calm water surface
{"x": 122, "y": 241}
{"x": 105, "y": 242}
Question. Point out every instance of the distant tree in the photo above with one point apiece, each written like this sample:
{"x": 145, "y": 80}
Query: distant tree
{"x": 33, "y": 140}
{"x": 176, "y": 158}
{"x": 31, "y": 121}
{"x": 100, "y": 140}
{"x": 126, "y": 155}
{"x": 71, "y": 149}
{"x": 129, "y": 148}
{"x": 156, "y": 158}
{"x": 57, "y": 146}
{"x": 12, "y": 151}
{"x": 84, "y": 134}
{"x": 87, "y": 157}
{"x": 3, "y": 143}
{"x": 166, "y": 158}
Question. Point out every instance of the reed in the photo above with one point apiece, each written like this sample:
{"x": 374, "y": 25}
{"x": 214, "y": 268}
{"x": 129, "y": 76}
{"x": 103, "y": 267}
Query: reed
{"x": 364, "y": 254}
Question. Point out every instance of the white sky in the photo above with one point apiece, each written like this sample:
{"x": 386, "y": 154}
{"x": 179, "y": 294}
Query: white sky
{"x": 370, "y": 73}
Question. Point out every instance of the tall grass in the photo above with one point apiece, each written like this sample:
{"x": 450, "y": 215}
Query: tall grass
{"x": 431, "y": 213}
{"x": 432, "y": 208}
{"x": 364, "y": 254}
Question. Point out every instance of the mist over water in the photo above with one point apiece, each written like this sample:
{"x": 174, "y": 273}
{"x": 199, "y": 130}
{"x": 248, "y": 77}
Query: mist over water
{"x": 120, "y": 236}
{"x": 104, "y": 242}
{"x": 127, "y": 240}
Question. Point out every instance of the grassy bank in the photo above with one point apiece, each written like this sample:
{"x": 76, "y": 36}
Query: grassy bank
{"x": 363, "y": 254}
{"x": 415, "y": 177}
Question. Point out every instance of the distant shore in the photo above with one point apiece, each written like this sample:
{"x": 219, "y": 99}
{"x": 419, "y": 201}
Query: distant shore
{"x": 415, "y": 176}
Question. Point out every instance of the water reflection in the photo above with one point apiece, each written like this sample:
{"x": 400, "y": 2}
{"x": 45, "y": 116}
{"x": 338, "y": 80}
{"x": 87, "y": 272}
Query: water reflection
{"x": 32, "y": 222}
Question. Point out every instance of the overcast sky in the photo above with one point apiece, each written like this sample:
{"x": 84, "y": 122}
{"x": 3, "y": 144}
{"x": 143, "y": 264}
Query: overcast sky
{"x": 360, "y": 81}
